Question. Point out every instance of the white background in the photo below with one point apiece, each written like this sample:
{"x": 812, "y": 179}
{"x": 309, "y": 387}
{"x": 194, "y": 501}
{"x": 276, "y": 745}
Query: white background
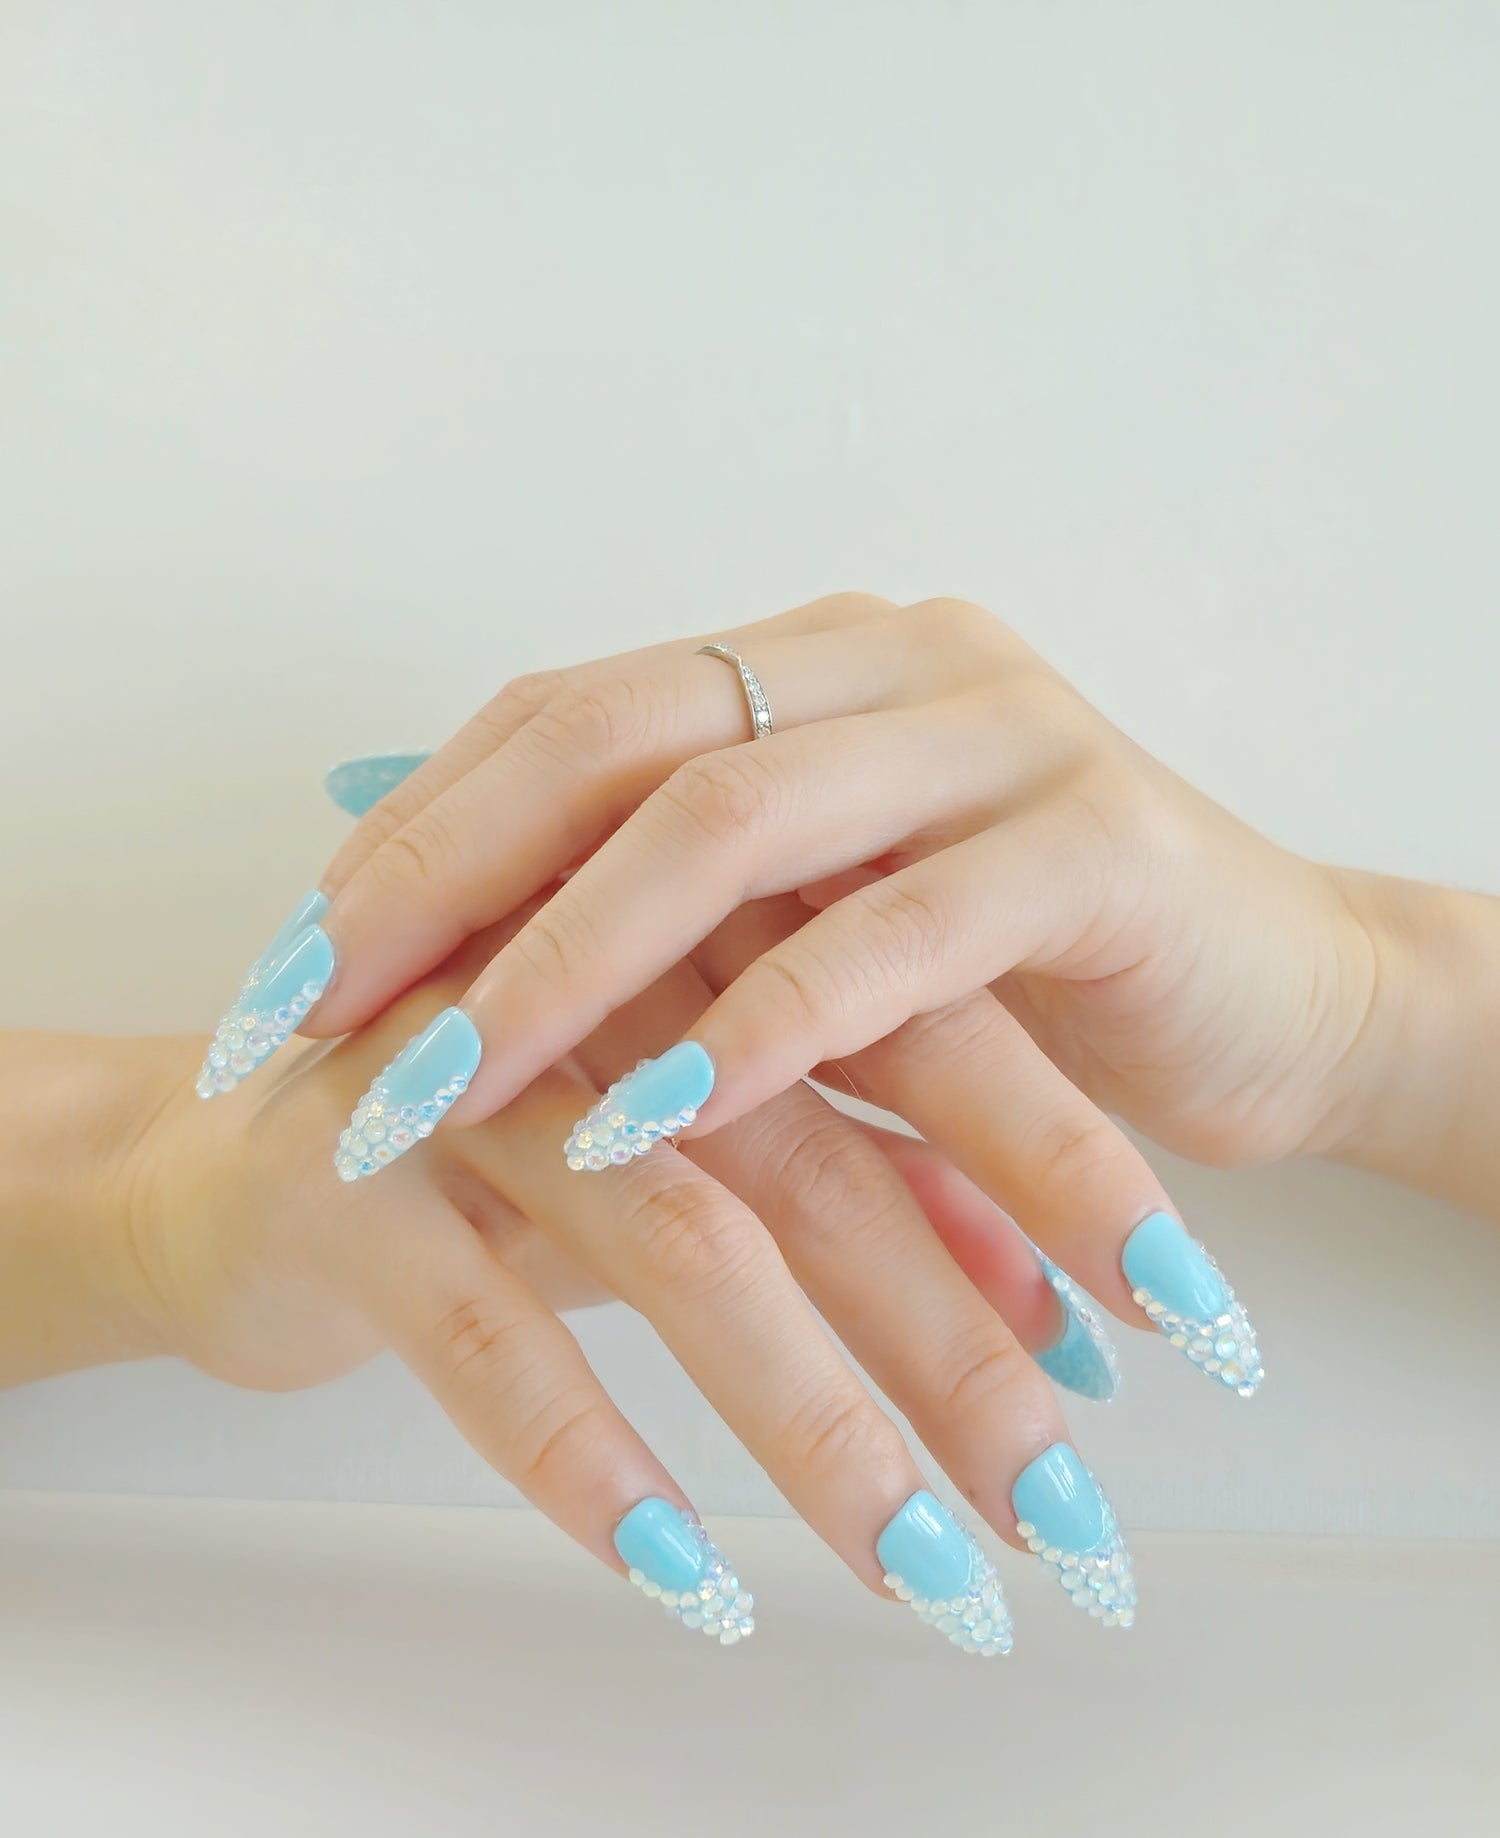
{"x": 355, "y": 358}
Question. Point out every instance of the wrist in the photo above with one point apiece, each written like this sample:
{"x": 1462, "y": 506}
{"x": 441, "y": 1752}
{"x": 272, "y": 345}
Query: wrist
{"x": 1421, "y": 1087}
{"x": 80, "y": 1112}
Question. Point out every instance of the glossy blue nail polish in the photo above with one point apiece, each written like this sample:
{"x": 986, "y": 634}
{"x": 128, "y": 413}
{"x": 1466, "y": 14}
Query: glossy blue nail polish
{"x": 1068, "y": 1523}
{"x": 672, "y": 1560}
{"x": 280, "y": 988}
{"x": 661, "y": 1097}
{"x": 1184, "y": 1293}
{"x": 932, "y": 1563}
{"x": 1082, "y": 1358}
{"x": 356, "y": 785}
{"x": 410, "y": 1097}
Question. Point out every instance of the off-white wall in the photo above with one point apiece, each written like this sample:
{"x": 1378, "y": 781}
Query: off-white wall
{"x": 354, "y": 358}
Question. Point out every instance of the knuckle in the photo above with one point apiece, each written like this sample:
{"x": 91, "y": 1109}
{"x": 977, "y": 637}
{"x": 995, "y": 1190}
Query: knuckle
{"x": 424, "y": 851}
{"x": 791, "y": 986}
{"x": 840, "y": 1186}
{"x": 520, "y": 701}
{"x": 557, "y": 943}
{"x": 962, "y": 624}
{"x": 568, "y": 1437}
{"x": 914, "y": 925}
{"x": 689, "y": 1240}
{"x": 720, "y": 795}
{"x": 1070, "y": 1153}
{"x": 473, "y": 1341}
{"x": 606, "y": 720}
{"x": 982, "y": 1380}
{"x": 853, "y": 607}
{"x": 834, "y": 1431}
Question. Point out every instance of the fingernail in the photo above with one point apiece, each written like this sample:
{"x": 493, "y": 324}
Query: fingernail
{"x": 1067, "y": 1521}
{"x": 409, "y": 1098}
{"x": 355, "y": 785}
{"x": 933, "y": 1563}
{"x": 673, "y": 1560}
{"x": 661, "y": 1097}
{"x": 1082, "y": 1358}
{"x": 1180, "y": 1287}
{"x": 279, "y": 989}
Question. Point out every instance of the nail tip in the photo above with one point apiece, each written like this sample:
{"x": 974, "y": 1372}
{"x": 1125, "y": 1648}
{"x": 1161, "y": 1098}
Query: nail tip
{"x": 694, "y": 1582}
{"x": 650, "y": 1104}
{"x": 1083, "y": 1358}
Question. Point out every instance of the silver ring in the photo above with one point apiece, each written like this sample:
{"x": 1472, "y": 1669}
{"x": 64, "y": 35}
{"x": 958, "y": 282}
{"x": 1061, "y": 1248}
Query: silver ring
{"x": 755, "y": 695}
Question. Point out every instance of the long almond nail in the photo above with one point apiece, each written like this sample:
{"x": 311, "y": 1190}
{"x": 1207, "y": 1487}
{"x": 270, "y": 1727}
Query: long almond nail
{"x": 673, "y": 1560}
{"x": 1069, "y": 1524}
{"x": 932, "y": 1563}
{"x": 280, "y": 988}
{"x": 410, "y": 1098}
{"x": 661, "y": 1097}
{"x": 1181, "y": 1289}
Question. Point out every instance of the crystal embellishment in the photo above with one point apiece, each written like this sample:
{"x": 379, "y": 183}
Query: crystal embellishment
{"x": 975, "y": 1621}
{"x": 717, "y": 1606}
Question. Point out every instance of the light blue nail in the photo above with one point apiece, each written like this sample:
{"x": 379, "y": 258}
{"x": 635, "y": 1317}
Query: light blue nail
{"x": 1068, "y": 1523}
{"x": 1184, "y": 1293}
{"x": 356, "y": 785}
{"x": 283, "y": 984}
{"x": 661, "y": 1097}
{"x": 931, "y": 1562}
{"x": 309, "y": 910}
{"x": 410, "y": 1097}
{"x": 672, "y": 1560}
{"x": 1082, "y": 1358}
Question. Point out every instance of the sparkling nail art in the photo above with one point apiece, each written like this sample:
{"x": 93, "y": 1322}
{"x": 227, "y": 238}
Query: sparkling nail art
{"x": 673, "y": 1561}
{"x": 280, "y": 987}
{"x": 409, "y": 1099}
{"x": 1083, "y": 1357}
{"x": 1183, "y": 1291}
{"x": 1067, "y": 1522}
{"x": 661, "y": 1097}
{"x": 933, "y": 1564}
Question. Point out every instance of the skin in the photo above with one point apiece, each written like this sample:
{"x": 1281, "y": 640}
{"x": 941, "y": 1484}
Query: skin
{"x": 218, "y": 1234}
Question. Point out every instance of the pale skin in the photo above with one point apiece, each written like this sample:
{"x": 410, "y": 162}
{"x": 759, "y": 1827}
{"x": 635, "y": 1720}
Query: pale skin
{"x": 1086, "y": 937}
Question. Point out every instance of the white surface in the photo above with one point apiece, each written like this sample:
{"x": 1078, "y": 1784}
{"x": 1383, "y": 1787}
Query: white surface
{"x": 356, "y": 357}
{"x": 173, "y": 1669}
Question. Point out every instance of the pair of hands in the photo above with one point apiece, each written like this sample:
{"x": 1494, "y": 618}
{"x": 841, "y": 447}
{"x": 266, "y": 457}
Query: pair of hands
{"x": 945, "y": 882}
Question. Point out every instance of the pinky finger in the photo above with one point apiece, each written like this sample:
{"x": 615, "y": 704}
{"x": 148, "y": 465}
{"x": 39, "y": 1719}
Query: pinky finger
{"x": 515, "y": 1383}
{"x": 1052, "y": 1318}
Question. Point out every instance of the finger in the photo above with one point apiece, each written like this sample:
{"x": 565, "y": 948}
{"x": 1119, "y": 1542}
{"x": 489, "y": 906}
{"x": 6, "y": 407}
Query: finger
{"x": 514, "y": 1382}
{"x": 679, "y": 1248}
{"x": 521, "y": 700}
{"x": 734, "y": 826}
{"x": 543, "y": 799}
{"x": 1053, "y": 1319}
{"x": 973, "y": 1082}
{"x": 976, "y": 1085}
{"x": 857, "y": 1242}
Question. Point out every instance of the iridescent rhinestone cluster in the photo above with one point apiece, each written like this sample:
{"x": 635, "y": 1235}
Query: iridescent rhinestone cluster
{"x": 978, "y": 1621}
{"x": 1070, "y": 1364}
{"x": 249, "y": 1034}
{"x": 1225, "y": 1348}
{"x": 380, "y": 1130}
{"x": 1100, "y": 1581}
{"x": 609, "y": 1137}
{"x": 718, "y": 1607}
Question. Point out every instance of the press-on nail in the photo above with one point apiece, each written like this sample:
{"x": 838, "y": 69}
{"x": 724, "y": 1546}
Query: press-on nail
{"x": 410, "y": 1097}
{"x": 1068, "y": 1523}
{"x": 661, "y": 1097}
{"x": 933, "y": 1563}
{"x": 1183, "y": 1291}
{"x": 1083, "y": 1357}
{"x": 280, "y": 987}
{"x": 673, "y": 1560}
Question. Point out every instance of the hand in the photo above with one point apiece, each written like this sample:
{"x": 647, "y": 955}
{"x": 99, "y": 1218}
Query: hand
{"x": 265, "y": 1271}
{"x": 979, "y": 823}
